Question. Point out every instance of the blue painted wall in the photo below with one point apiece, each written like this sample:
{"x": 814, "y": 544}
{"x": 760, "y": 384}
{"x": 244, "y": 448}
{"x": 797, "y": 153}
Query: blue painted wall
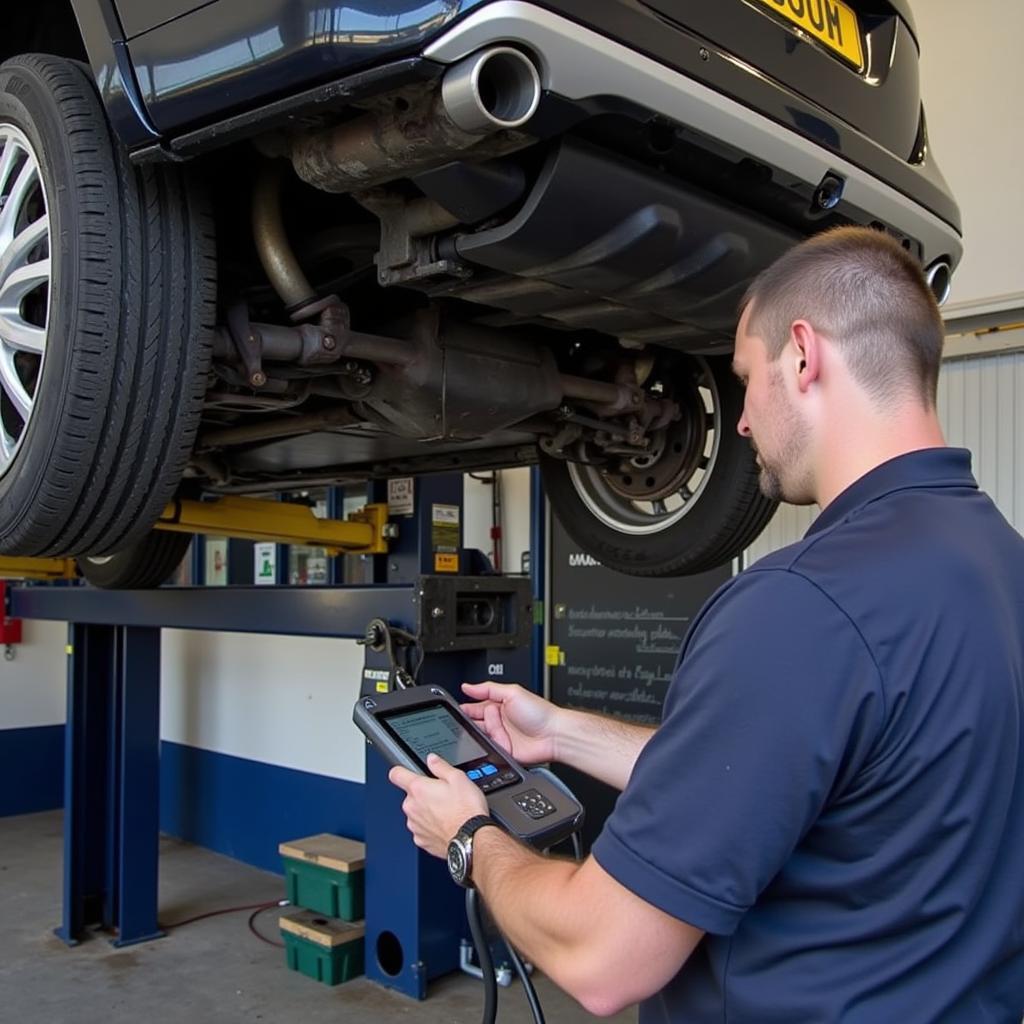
{"x": 31, "y": 769}
{"x": 244, "y": 808}
{"x": 238, "y": 807}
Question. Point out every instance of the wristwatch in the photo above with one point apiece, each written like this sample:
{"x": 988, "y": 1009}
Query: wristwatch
{"x": 460, "y": 849}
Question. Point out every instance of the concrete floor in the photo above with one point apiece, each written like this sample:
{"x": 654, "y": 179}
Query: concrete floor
{"x": 209, "y": 972}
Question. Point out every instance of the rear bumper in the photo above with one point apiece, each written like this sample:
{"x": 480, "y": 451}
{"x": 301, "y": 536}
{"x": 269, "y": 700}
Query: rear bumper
{"x": 579, "y": 64}
{"x": 663, "y": 68}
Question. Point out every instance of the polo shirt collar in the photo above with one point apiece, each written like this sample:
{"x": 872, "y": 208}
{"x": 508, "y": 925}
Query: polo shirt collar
{"x": 929, "y": 467}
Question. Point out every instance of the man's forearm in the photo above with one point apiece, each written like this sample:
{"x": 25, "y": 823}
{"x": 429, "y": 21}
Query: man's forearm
{"x": 602, "y": 747}
{"x": 531, "y": 899}
{"x": 594, "y": 938}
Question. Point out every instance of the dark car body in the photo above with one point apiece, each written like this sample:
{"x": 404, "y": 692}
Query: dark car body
{"x": 183, "y": 75}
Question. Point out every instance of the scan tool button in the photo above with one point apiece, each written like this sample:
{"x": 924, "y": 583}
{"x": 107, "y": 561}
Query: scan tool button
{"x": 474, "y": 773}
{"x": 534, "y": 804}
{"x": 489, "y": 769}
{"x": 508, "y": 776}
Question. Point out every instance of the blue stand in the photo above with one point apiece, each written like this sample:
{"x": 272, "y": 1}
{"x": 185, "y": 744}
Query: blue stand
{"x": 111, "y": 773}
{"x": 414, "y": 912}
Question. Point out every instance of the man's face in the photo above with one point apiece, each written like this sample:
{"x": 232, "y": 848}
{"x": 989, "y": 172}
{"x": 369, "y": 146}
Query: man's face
{"x": 779, "y": 435}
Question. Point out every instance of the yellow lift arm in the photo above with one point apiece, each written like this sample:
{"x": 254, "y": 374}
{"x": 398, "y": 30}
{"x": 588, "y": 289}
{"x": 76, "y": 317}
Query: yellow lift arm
{"x": 365, "y": 532}
{"x": 37, "y": 568}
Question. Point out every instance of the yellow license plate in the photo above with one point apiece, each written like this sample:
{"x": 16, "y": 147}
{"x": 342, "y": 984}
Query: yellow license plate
{"x": 829, "y": 21}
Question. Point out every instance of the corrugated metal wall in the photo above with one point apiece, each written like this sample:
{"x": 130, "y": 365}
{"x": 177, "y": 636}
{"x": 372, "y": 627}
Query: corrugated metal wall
{"x": 981, "y": 405}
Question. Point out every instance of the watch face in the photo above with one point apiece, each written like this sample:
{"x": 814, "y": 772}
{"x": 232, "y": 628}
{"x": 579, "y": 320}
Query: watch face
{"x": 457, "y": 861}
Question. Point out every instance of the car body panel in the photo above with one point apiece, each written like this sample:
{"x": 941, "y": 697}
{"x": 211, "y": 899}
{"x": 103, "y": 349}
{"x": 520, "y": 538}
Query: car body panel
{"x": 138, "y": 16}
{"x": 883, "y": 101}
{"x": 256, "y": 52}
{"x": 579, "y": 65}
{"x": 228, "y": 55}
{"x": 103, "y": 37}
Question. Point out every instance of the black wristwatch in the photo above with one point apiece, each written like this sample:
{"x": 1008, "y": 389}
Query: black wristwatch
{"x": 460, "y": 849}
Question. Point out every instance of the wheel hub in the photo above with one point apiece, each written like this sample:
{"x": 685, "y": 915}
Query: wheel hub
{"x": 674, "y": 457}
{"x": 646, "y": 494}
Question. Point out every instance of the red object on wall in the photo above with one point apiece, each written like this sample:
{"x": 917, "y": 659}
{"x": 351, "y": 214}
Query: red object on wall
{"x": 10, "y": 629}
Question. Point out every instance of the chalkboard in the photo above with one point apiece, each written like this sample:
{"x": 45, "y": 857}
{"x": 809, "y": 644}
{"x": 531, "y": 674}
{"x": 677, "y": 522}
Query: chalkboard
{"x": 613, "y": 643}
{"x": 614, "y": 639}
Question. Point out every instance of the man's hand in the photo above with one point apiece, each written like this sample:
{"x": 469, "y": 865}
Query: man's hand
{"x": 436, "y": 808}
{"x": 520, "y": 722}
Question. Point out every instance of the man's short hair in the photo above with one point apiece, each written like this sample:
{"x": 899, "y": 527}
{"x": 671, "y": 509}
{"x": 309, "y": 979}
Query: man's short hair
{"x": 861, "y": 289}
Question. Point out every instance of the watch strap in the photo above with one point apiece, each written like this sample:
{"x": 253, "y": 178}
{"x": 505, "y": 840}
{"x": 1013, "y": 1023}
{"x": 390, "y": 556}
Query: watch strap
{"x": 474, "y": 824}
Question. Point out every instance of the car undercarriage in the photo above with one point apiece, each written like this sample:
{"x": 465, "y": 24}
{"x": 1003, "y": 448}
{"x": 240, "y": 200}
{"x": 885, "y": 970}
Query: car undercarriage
{"x": 524, "y": 245}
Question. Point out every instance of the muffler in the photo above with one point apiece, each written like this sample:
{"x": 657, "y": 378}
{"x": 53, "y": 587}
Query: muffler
{"x": 482, "y": 103}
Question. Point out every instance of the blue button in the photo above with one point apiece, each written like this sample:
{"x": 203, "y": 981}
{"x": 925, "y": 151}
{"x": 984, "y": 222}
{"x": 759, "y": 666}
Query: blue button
{"x": 489, "y": 769}
{"x": 474, "y": 774}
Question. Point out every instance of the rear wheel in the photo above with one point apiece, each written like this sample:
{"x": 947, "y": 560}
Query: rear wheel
{"x": 147, "y": 563}
{"x": 692, "y": 503}
{"x": 107, "y": 302}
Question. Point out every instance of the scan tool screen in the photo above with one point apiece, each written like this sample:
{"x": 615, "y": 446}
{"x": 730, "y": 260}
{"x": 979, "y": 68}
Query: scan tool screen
{"x": 434, "y": 729}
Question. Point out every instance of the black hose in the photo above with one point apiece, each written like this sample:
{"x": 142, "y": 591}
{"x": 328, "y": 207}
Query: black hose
{"x": 524, "y": 977}
{"x": 577, "y": 847}
{"x": 483, "y": 954}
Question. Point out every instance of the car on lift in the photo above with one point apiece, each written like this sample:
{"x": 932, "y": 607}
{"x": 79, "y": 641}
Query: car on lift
{"x": 259, "y": 247}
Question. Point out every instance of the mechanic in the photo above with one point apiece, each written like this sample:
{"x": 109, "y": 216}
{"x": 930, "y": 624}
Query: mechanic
{"x": 828, "y": 824}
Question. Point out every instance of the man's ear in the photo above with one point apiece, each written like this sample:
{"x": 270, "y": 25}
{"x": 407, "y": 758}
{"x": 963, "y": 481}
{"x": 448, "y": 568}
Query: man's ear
{"x": 804, "y": 350}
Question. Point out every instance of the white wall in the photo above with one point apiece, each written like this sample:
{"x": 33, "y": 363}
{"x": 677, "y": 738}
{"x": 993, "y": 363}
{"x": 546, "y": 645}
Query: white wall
{"x": 516, "y": 520}
{"x": 981, "y": 407}
{"x": 284, "y": 700}
{"x": 32, "y": 689}
{"x": 972, "y": 79}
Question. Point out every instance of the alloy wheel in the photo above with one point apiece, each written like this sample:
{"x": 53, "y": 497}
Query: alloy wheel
{"x": 24, "y": 287}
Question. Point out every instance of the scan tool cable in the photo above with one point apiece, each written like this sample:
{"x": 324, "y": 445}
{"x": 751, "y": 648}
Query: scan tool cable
{"x": 474, "y": 915}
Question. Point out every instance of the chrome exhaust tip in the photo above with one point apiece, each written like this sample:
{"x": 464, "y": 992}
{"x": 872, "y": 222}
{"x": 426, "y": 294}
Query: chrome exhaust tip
{"x": 940, "y": 279}
{"x": 491, "y": 90}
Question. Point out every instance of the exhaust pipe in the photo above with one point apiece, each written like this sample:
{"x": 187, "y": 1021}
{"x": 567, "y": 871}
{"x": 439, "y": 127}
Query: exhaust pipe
{"x": 493, "y": 90}
{"x": 272, "y": 246}
{"x": 482, "y": 102}
{"x": 940, "y": 279}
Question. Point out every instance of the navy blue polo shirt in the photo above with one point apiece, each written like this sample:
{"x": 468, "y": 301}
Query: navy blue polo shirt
{"x": 836, "y": 792}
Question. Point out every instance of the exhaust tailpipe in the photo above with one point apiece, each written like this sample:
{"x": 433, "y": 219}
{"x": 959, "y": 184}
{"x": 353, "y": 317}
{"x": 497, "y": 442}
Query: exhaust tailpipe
{"x": 482, "y": 103}
{"x": 940, "y": 279}
{"x": 492, "y": 90}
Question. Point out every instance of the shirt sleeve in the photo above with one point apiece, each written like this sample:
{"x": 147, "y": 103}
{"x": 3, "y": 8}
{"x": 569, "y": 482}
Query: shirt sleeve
{"x": 775, "y": 702}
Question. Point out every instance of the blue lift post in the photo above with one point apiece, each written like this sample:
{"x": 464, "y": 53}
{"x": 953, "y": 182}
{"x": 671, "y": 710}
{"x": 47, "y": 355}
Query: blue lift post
{"x": 414, "y": 913}
{"x": 111, "y": 771}
{"x": 112, "y": 737}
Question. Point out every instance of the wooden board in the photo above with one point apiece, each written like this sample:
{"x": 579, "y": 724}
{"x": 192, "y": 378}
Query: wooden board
{"x": 329, "y": 851}
{"x": 324, "y": 931}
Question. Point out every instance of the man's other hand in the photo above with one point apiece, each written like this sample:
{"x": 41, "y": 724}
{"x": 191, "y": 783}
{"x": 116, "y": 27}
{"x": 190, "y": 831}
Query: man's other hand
{"x": 518, "y": 721}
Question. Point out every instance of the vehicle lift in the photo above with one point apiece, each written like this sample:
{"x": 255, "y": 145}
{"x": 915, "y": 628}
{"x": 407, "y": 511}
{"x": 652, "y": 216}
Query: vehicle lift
{"x": 466, "y": 627}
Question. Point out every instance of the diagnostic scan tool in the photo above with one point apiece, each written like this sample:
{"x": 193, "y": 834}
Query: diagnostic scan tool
{"x": 407, "y": 725}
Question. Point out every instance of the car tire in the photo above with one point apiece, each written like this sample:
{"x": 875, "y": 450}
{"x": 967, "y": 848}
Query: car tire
{"x": 146, "y": 564}
{"x": 96, "y": 428}
{"x": 608, "y": 514}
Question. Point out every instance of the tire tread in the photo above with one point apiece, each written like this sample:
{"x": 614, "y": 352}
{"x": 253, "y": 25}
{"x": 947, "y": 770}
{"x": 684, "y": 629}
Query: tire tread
{"x": 142, "y": 323}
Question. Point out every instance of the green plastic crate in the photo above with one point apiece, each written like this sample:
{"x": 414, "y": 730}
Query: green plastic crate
{"x": 325, "y": 949}
{"x": 325, "y": 873}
